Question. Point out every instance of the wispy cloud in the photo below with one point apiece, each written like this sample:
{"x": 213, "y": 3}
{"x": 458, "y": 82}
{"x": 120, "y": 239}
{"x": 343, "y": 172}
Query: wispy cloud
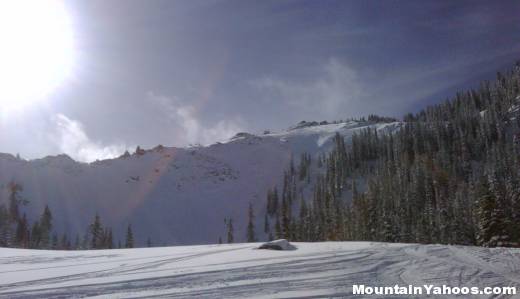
{"x": 335, "y": 88}
{"x": 186, "y": 125}
{"x": 71, "y": 139}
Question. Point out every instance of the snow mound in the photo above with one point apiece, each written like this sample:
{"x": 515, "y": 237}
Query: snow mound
{"x": 281, "y": 244}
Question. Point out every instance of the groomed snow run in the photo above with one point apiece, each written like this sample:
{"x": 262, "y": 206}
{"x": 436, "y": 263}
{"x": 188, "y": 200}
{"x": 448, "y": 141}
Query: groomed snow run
{"x": 314, "y": 270}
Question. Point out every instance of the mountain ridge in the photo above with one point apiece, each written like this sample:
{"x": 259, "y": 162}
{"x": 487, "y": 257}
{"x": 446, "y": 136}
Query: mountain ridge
{"x": 160, "y": 191}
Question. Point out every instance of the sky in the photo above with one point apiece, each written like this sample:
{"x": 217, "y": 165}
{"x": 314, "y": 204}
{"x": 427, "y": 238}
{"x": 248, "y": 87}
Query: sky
{"x": 195, "y": 72}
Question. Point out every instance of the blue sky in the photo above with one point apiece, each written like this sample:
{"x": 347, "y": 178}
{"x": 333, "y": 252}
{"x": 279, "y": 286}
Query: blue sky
{"x": 184, "y": 72}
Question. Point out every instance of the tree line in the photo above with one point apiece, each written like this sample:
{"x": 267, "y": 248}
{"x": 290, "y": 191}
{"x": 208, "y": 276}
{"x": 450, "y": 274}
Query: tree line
{"x": 449, "y": 175}
{"x": 16, "y": 230}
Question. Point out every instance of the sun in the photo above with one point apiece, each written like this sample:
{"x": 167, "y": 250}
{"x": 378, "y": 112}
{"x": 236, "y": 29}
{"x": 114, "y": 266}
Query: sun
{"x": 36, "y": 50}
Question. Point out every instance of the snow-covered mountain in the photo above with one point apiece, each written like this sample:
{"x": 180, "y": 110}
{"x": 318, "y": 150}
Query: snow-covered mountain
{"x": 172, "y": 195}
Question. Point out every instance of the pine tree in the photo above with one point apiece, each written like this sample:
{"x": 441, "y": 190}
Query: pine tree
{"x": 54, "y": 244}
{"x": 267, "y": 226}
{"x": 45, "y": 228}
{"x": 514, "y": 194}
{"x": 286, "y": 218}
{"x": 303, "y": 228}
{"x": 108, "y": 239}
{"x": 278, "y": 228}
{"x": 129, "y": 243}
{"x": 251, "y": 236}
{"x": 22, "y": 232}
{"x": 96, "y": 233}
{"x": 8, "y": 233}
{"x": 230, "y": 231}
{"x": 502, "y": 212}
{"x": 4, "y": 226}
{"x": 14, "y": 201}
{"x": 491, "y": 227}
{"x": 36, "y": 235}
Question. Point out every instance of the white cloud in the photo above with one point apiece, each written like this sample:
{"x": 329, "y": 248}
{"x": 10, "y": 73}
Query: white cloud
{"x": 336, "y": 89}
{"x": 188, "y": 128}
{"x": 71, "y": 139}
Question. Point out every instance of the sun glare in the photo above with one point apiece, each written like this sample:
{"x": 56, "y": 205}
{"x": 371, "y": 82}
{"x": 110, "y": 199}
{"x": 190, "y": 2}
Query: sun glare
{"x": 36, "y": 50}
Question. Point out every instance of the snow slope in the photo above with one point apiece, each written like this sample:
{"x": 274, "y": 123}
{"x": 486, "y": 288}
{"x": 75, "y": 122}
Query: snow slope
{"x": 327, "y": 269}
{"x": 172, "y": 195}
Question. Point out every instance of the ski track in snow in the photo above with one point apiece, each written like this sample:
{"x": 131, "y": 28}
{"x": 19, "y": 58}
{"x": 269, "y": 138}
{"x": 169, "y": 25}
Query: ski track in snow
{"x": 314, "y": 270}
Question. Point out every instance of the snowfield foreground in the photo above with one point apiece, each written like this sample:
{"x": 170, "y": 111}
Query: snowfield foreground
{"x": 314, "y": 270}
